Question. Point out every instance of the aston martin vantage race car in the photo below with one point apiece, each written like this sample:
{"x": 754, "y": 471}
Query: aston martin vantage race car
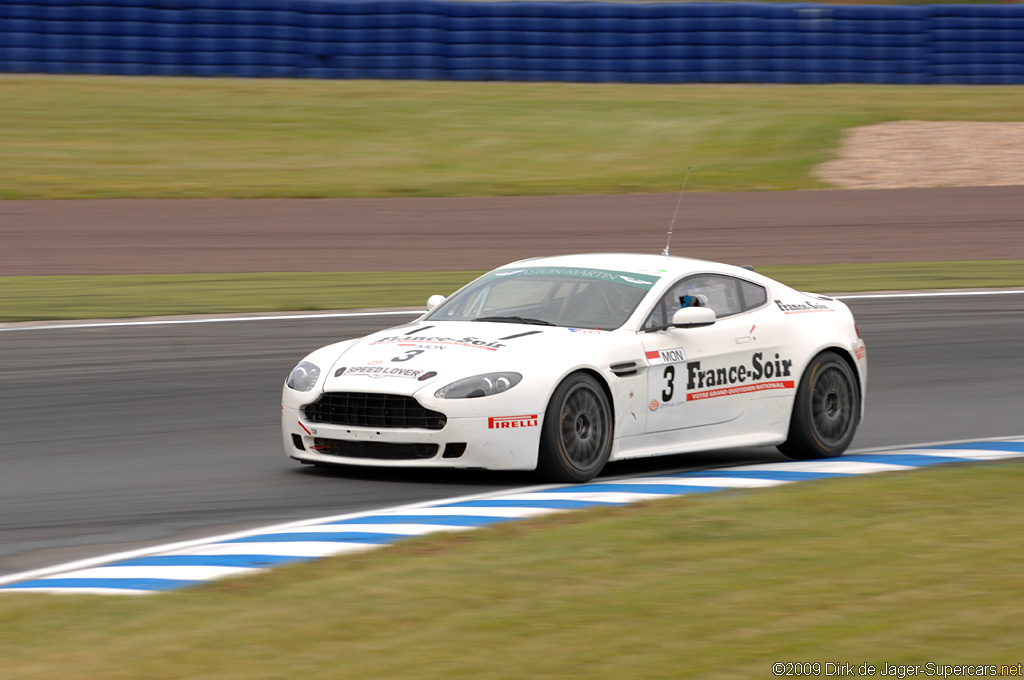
{"x": 561, "y": 364}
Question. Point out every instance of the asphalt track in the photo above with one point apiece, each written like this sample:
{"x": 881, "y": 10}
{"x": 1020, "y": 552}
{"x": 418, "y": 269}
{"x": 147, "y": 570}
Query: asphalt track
{"x": 122, "y": 437}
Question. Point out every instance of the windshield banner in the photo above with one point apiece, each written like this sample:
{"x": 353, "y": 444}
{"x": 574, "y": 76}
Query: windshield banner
{"x": 643, "y": 281}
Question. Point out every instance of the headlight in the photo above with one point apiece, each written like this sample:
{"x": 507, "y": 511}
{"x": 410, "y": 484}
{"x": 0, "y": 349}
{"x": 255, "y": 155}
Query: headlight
{"x": 303, "y": 377}
{"x": 479, "y": 386}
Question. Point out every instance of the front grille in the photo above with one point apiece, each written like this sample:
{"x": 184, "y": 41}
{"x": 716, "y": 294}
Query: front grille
{"x": 375, "y": 450}
{"x": 365, "y": 409}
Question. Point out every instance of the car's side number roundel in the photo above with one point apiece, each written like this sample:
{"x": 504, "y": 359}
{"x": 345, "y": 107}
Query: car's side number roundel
{"x": 669, "y": 376}
{"x": 409, "y": 354}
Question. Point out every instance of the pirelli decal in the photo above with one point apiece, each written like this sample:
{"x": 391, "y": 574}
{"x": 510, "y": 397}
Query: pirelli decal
{"x": 506, "y": 422}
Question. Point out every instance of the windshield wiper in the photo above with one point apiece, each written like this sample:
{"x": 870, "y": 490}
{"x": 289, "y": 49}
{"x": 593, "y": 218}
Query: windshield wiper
{"x": 515, "y": 319}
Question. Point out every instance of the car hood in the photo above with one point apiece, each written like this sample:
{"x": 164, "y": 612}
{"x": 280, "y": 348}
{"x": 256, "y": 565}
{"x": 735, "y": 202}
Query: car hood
{"x": 408, "y": 358}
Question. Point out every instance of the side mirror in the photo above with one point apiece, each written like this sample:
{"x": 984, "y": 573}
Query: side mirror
{"x": 693, "y": 317}
{"x": 433, "y": 301}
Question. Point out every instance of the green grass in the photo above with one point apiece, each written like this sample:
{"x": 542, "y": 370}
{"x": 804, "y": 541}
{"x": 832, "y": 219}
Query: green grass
{"x": 902, "y": 568}
{"x": 30, "y": 298}
{"x": 106, "y": 137}
{"x": 34, "y": 298}
{"x": 844, "y": 278}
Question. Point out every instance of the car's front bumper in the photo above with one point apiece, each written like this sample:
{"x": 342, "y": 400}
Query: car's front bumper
{"x": 489, "y": 443}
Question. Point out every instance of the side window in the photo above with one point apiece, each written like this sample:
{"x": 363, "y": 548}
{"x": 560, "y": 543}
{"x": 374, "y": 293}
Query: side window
{"x": 724, "y": 294}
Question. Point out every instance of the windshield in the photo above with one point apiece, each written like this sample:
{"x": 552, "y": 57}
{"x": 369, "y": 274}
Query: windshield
{"x": 556, "y": 296}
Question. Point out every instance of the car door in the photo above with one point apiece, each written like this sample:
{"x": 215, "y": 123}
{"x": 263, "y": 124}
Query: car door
{"x": 704, "y": 376}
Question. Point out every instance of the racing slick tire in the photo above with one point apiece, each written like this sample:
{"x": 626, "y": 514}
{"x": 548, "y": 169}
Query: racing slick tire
{"x": 576, "y": 439}
{"x": 826, "y": 411}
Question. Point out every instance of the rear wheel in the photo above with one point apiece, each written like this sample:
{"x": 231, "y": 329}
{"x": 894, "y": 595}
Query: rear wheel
{"x": 826, "y": 411}
{"x": 577, "y": 435}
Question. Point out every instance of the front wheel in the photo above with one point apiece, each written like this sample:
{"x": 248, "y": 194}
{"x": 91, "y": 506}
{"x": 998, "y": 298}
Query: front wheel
{"x": 826, "y": 411}
{"x": 576, "y": 439}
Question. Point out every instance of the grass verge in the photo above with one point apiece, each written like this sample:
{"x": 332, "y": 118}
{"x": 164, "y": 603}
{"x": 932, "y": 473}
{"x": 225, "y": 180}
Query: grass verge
{"x": 249, "y": 138}
{"x": 903, "y": 568}
{"x": 36, "y": 298}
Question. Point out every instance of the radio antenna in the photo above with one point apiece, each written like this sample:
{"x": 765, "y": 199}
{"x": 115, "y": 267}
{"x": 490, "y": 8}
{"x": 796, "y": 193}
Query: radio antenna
{"x": 673, "y": 224}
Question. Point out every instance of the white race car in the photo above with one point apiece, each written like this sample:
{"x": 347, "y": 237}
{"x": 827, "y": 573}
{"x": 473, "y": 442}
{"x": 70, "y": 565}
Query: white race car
{"x": 561, "y": 364}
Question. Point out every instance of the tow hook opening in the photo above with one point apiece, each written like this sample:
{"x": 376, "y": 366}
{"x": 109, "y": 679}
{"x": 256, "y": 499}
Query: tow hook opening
{"x": 454, "y": 450}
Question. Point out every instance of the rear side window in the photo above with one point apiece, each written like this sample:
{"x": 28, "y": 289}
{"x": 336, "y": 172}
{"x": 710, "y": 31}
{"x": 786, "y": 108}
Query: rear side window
{"x": 753, "y": 295}
{"x": 724, "y": 294}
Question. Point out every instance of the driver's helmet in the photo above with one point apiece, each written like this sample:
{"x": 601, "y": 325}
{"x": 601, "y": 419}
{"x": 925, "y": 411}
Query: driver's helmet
{"x": 688, "y": 301}
{"x": 694, "y": 300}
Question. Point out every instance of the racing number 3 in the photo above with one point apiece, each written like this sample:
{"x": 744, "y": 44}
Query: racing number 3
{"x": 409, "y": 354}
{"x": 670, "y": 376}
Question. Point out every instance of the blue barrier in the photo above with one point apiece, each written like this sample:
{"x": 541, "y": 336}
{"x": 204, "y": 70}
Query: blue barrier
{"x": 518, "y": 41}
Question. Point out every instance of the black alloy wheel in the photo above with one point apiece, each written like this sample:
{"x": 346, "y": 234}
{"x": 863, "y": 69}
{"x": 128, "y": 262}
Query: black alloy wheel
{"x": 826, "y": 411}
{"x": 832, "y": 406}
{"x": 577, "y": 435}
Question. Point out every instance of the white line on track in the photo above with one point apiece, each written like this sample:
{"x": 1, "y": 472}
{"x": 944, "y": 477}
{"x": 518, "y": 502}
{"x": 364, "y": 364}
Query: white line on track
{"x": 351, "y": 315}
{"x": 934, "y": 293}
{"x": 211, "y": 319}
